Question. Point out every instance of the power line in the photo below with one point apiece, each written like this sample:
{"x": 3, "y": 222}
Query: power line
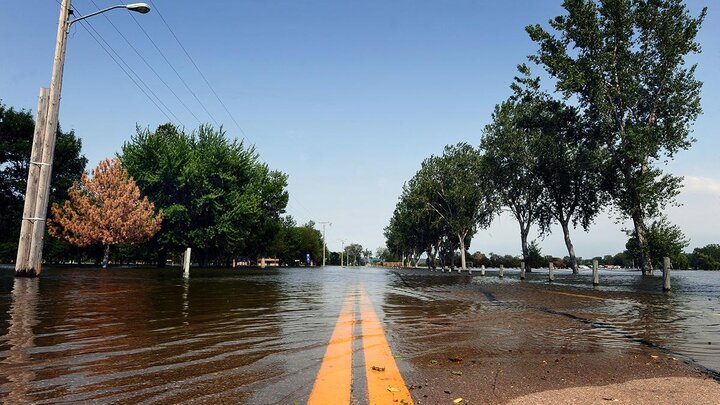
{"x": 149, "y": 65}
{"x": 127, "y": 65}
{"x": 174, "y": 70}
{"x": 207, "y": 82}
{"x": 128, "y": 74}
{"x": 118, "y": 59}
{"x": 124, "y": 70}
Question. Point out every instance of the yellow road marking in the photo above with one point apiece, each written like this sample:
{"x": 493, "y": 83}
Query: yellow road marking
{"x": 384, "y": 387}
{"x": 332, "y": 385}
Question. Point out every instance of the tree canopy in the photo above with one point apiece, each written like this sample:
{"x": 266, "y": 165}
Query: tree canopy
{"x": 624, "y": 64}
{"x": 441, "y": 206}
{"x": 216, "y": 196}
{"x": 105, "y": 209}
{"x": 510, "y": 165}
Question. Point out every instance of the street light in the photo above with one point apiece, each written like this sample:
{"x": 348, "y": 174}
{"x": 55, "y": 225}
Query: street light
{"x": 32, "y": 230}
{"x": 141, "y": 8}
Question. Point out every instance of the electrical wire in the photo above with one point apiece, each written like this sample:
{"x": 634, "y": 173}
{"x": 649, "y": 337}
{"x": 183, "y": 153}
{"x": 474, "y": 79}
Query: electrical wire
{"x": 149, "y": 65}
{"x": 187, "y": 87}
{"x": 207, "y": 82}
{"x": 105, "y": 47}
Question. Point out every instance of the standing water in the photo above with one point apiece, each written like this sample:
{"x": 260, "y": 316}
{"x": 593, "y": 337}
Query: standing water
{"x": 132, "y": 335}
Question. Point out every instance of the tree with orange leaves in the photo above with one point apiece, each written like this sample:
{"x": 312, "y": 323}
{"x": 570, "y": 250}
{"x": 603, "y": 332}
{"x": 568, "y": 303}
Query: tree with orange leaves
{"x": 105, "y": 209}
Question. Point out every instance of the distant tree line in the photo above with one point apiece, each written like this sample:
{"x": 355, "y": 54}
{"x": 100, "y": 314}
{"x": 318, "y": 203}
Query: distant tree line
{"x": 623, "y": 103}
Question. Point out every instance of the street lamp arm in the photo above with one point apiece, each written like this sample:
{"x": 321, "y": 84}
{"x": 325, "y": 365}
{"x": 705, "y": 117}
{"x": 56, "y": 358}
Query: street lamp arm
{"x": 95, "y": 13}
{"x": 137, "y": 7}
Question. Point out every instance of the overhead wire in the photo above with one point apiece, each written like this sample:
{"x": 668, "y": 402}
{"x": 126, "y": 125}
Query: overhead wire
{"x": 110, "y": 51}
{"x": 147, "y": 91}
{"x": 165, "y": 58}
{"x": 217, "y": 96}
{"x": 207, "y": 82}
{"x": 149, "y": 65}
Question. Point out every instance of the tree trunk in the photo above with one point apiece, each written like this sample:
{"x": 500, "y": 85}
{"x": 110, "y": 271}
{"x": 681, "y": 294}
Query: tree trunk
{"x": 452, "y": 256}
{"x": 462, "y": 252}
{"x": 645, "y": 259}
{"x": 162, "y": 258}
{"x": 106, "y": 256}
{"x": 524, "y": 231}
{"x": 570, "y": 247}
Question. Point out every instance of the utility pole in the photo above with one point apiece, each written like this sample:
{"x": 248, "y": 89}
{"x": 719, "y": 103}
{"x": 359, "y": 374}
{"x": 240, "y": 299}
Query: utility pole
{"x": 324, "y": 244}
{"x": 26, "y": 227}
{"x": 32, "y": 228}
{"x": 342, "y": 252}
{"x": 31, "y": 266}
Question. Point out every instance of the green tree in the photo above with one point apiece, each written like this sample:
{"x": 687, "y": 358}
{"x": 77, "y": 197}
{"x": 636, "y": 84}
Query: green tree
{"x": 706, "y": 257}
{"x": 454, "y": 190}
{"x": 624, "y": 63}
{"x": 354, "y": 254}
{"x": 215, "y": 194}
{"x": 16, "y": 135}
{"x": 535, "y": 257}
{"x": 510, "y": 166}
{"x": 664, "y": 240}
{"x": 568, "y": 162}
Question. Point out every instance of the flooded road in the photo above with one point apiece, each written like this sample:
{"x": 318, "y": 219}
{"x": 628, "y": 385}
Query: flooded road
{"x": 260, "y": 336}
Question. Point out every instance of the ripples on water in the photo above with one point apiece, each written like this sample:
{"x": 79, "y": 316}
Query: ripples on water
{"x": 257, "y": 336}
{"x": 685, "y": 321}
{"x": 146, "y": 334}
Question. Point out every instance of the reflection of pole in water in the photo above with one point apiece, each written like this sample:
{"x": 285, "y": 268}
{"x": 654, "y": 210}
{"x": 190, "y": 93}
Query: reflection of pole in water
{"x": 21, "y": 339}
{"x": 185, "y": 302}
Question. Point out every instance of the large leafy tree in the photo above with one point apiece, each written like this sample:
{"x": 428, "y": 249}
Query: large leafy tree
{"x": 706, "y": 257}
{"x": 441, "y": 207}
{"x": 664, "y": 240}
{"x": 106, "y": 209}
{"x": 624, "y": 63}
{"x": 414, "y": 227}
{"x": 354, "y": 254}
{"x": 16, "y": 135}
{"x": 510, "y": 165}
{"x": 292, "y": 243}
{"x": 568, "y": 162}
{"x": 454, "y": 189}
{"x": 215, "y": 194}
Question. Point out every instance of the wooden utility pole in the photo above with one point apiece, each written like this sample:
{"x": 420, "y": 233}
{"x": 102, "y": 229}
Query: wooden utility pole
{"x": 342, "y": 252}
{"x": 26, "y": 227}
{"x": 51, "y": 124}
{"x": 324, "y": 244}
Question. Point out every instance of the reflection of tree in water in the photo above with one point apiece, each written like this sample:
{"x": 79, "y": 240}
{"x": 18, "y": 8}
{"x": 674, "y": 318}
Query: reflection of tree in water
{"x": 20, "y": 339}
{"x": 138, "y": 334}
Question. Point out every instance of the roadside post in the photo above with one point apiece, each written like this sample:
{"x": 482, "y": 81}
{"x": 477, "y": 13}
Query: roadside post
{"x": 666, "y": 274}
{"x": 186, "y": 264}
{"x": 522, "y": 270}
{"x": 502, "y": 271}
{"x": 482, "y": 270}
{"x": 596, "y": 274}
{"x": 551, "y": 272}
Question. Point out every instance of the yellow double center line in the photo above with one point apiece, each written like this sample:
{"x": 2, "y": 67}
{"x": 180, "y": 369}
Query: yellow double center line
{"x": 385, "y": 385}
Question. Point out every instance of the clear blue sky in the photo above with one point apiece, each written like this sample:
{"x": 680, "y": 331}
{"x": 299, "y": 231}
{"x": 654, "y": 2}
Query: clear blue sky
{"x": 346, "y": 97}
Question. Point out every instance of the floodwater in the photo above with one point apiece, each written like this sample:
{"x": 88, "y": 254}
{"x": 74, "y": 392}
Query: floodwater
{"x": 257, "y": 336}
